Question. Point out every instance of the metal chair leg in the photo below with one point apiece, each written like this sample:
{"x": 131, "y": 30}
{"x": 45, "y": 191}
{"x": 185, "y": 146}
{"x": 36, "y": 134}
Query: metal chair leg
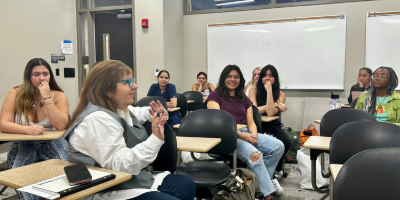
{"x": 2, "y": 189}
{"x": 314, "y": 178}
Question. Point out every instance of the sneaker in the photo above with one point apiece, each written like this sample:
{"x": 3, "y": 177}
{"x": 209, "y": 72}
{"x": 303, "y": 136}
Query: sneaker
{"x": 280, "y": 174}
{"x": 279, "y": 189}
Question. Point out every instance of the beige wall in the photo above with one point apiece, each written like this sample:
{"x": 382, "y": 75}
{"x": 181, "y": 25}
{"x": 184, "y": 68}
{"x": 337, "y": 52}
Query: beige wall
{"x": 149, "y": 43}
{"x": 173, "y": 42}
{"x": 35, "y": 29}
{"x": 195, "y": 44}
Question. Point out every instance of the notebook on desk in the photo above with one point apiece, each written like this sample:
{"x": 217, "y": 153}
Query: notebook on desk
{"x": 58, "y": 187}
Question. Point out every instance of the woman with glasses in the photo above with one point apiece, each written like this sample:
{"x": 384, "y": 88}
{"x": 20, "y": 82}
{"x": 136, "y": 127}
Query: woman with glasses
{"x": 382, "y": 101}
{"x": 106, "y": 131}
{"x": 254, "y": 80}
{"x": 202, "y": 85}
{"x": 363, "y": 82}
{"x": 269, "y": 99}
{"x": 167, "y": 91}
{"x": 37, "y": 105}
{"x": 260, "y": 152}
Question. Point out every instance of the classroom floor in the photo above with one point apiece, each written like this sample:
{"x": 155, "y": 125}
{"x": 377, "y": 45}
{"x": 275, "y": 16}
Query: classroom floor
{"x": 289, "y": 184}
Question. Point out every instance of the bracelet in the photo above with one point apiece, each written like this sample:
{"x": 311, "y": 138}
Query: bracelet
{"x": 46, "y": 98}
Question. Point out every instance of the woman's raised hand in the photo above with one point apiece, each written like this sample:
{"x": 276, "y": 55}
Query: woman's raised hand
{"x": 157, "y": 125}
{"x": 157, "y": 107}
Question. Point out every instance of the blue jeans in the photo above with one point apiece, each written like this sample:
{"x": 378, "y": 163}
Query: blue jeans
{"x": 173, "y": 187}
{"x": 271, "y": 151}
{"x": 28, "y": 152}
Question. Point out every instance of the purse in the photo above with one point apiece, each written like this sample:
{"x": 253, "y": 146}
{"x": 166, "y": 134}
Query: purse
{"x": 306, "y": 133}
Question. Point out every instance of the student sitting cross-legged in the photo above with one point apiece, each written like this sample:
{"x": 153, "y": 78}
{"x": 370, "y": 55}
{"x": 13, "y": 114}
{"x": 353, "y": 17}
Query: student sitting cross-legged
{"x": 106, "y": 131}
{"x": 260, "y": 152}
{"x": 382, "y": 101}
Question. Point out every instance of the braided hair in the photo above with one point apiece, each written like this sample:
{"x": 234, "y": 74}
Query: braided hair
{"x": 370, "y": 98}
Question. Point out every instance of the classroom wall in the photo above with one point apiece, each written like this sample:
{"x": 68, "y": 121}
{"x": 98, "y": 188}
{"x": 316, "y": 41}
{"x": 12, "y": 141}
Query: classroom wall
{"x": 195, "y": 44}
{"x": 173, "y": 42}
{"x": 30, "y": 29}
{"x": 149, "y": 43}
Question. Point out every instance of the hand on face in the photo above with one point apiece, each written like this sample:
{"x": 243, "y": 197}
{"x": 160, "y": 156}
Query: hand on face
{"x": 157, "y": 126}
{"x": 44, "y": 89}
{"x": 268, "y": 86}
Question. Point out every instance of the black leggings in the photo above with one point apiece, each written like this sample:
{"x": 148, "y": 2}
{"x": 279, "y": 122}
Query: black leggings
{"x": 274, "y": 128}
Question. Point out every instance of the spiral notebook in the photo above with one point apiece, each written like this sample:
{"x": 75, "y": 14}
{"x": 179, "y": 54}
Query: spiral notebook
{"x": 58, "y": 187}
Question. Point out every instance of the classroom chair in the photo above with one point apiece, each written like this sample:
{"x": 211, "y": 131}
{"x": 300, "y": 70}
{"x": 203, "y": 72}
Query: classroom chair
{"x": 167, "y": 156}
{"x": 146, "y": 100}
{"x": 209, "y": 124}
{"x": 198, "y": 100}
{"x": 182, "y": 104}
{"x": 354, "y": 137}
{"x": 370, "y": 174}
{"x": 353, "y": 103}
{"x": 333, "y": 119}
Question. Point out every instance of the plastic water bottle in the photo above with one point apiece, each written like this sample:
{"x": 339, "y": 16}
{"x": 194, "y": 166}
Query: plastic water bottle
{"x": 334, "y": 103}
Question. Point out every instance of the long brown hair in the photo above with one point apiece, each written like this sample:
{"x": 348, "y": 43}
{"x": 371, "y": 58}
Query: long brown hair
{"x": 102, "y": 78}
{"x": 27, "y": 91}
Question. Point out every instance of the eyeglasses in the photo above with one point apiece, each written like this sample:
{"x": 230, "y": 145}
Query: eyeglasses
{"x": 381, "y": 77}
{"x": 256, "y": 74}
{"x": 233, "y": 77}
{"x": 131, "y": 81}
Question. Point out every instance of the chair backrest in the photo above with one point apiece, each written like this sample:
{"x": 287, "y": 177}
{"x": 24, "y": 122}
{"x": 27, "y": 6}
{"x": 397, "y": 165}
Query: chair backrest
{"x": 257, "y": 118}
{"x": 198, "y": 100}
{"x": 211, "y": 124}
{"x": 354, "y": 102}
{"x": 146, "y": 100}
{"x": 355, "y": 137}
{"x": 182, "y": 104}
{"x": 333, "y": 119}
{"x": 167, "y": 156}
{"x": 371, "y": 174}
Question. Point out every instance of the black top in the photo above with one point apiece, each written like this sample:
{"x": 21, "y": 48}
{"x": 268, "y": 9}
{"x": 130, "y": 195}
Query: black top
{"x": 355, "y": 87}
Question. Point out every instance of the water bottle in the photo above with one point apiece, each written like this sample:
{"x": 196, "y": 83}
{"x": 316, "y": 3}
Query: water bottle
{"x": 334, "y": 103}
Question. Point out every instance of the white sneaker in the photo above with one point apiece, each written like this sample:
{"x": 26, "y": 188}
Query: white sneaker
{"x": 280, "y": 174}
{"x": 279, "y": 189}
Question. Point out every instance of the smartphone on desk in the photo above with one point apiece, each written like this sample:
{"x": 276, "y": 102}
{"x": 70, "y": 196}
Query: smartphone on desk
{"x": 77, "y": 174}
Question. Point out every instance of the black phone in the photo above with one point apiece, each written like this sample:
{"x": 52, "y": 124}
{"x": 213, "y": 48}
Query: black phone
{"x": 77, "y": 174}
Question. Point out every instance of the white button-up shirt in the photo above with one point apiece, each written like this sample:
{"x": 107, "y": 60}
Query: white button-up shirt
{"x": 101, "y": 137}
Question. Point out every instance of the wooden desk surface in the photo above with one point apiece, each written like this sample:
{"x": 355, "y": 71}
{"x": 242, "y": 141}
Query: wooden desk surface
{"x": 47, "y": 135}
{"x": 30, "y": 174}
{"x": 268, "y": 119}
{"x": 345, "y": 106}
{"x": 196, "y": 144}
{"x": 318, "y": 142}
{"x": 239, "y": 126}
{"x": 190, "y": 101}
{"x": 173, "y": 109}
{"x": 335, "y": 168}
{"x": 317, "y": 121}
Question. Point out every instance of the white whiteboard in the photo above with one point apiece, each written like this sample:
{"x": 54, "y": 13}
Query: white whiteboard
{"x": 308, "y": 54}
{"x": 383, "y": 42}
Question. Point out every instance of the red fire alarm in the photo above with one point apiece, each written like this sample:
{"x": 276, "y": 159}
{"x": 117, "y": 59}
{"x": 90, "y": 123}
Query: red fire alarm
{"x": 145, "y": 23}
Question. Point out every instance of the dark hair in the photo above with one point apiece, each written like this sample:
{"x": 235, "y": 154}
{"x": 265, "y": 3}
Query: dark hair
{"x": 261, "y": 95}
{"x": 222, "y": 90}
{"x": 159, "y": 73}
{"x": 369, "y": 71}
{"x": 202, "y": 73}
{"x": 27, "y": 92}
{"x": 370, "y": 98}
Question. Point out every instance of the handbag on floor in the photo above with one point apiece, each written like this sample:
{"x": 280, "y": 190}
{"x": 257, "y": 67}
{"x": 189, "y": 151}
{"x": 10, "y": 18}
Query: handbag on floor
{"x": 305, "y": 171}
{"x": 306, "y": 133}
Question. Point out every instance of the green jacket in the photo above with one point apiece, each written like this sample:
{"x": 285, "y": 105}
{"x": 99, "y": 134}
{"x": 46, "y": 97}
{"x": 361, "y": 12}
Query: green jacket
{"x": 392, "y": 106}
